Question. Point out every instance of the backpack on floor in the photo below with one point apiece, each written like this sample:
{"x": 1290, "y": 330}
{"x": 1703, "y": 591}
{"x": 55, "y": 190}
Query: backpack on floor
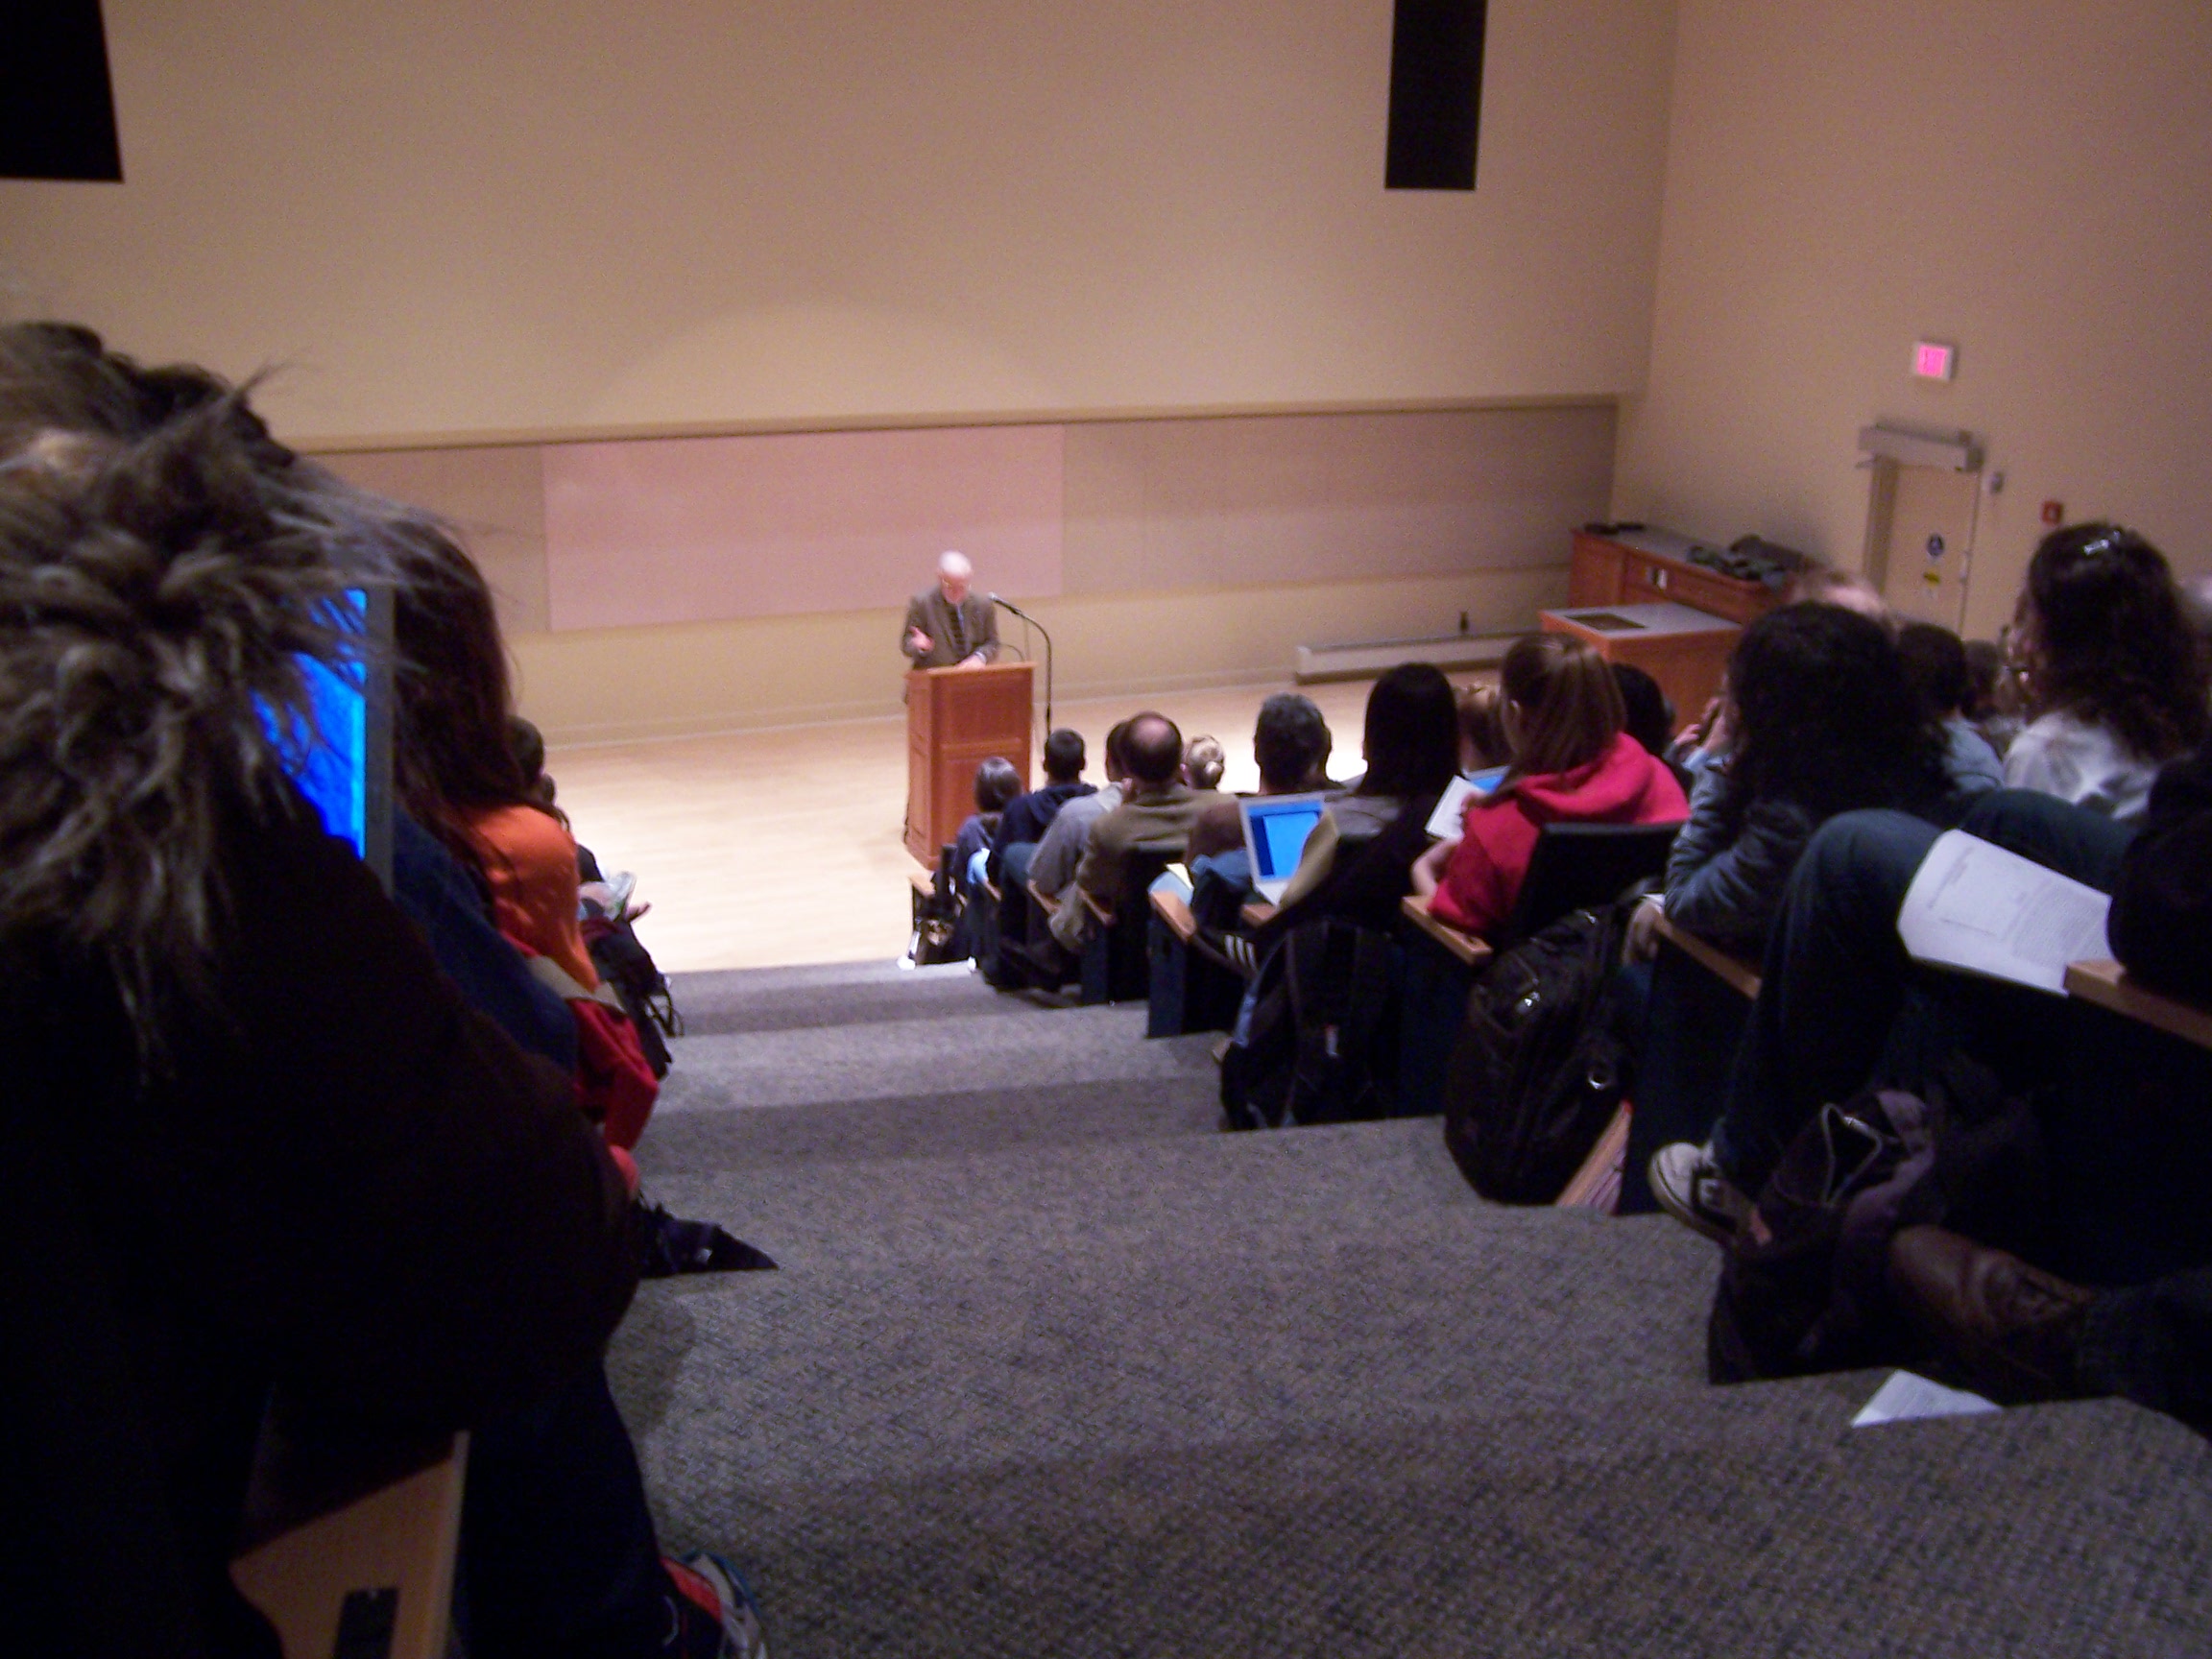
{"x": 1320, "y": 1045}
{"x": 1540, "y": 1067}
{"x": 624, "y": 963}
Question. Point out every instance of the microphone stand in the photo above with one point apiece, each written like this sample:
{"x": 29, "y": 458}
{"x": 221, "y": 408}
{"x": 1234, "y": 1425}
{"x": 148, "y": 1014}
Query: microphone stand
{"x": 1009, "y": 605}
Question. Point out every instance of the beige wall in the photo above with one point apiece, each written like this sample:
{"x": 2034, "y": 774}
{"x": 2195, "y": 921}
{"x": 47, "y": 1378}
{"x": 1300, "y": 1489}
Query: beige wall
{"x": 627, "y": 683}
{"x": 511, "y": 216}
{"x": 2030, "y": 179}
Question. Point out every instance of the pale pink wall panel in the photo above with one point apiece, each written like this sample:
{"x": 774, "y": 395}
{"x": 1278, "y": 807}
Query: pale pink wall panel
{"x": 702, "y": 529}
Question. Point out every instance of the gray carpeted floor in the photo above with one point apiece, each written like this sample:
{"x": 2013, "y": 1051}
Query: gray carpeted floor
{"x": 1053, "y": 1368}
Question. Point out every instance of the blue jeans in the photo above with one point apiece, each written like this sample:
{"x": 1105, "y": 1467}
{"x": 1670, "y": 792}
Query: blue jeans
{"x": 2121, "y": 1106}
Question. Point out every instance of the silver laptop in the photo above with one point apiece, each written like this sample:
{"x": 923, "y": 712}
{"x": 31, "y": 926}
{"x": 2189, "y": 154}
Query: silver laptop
{"x": 1275, "y": 831}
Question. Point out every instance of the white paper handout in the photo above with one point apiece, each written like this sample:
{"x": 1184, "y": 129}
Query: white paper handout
{"x": 1974, "y": 905}
{"x": 1908, "y": 1396}
{"x": 1448, "y": 821}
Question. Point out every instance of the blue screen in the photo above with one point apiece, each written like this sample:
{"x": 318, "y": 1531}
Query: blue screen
{"x": 1278, "y": 835}
{"x": 329, "y": 758}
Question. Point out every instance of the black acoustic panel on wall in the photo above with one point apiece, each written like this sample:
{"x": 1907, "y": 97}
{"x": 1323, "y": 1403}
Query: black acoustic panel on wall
{"x": 1435, "y": 94}
{"x": 56, "y": 108}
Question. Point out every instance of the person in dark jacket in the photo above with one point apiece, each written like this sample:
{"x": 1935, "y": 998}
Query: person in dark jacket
{"x": 1028, "y": 816}
{"x": 258, "y": 1149}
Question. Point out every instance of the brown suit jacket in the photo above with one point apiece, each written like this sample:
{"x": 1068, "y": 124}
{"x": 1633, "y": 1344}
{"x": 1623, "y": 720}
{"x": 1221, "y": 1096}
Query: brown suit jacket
{"x": 978, "y": 628}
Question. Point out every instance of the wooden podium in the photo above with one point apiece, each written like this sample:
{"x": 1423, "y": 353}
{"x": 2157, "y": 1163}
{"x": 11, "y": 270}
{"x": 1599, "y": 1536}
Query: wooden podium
{"x": 956, "y": 719}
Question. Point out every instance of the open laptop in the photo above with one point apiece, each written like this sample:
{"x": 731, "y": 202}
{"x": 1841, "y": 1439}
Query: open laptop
{"x": 1275, "y": 831}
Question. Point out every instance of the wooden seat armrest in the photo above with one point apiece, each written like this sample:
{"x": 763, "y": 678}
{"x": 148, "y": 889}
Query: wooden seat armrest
{"x": 1175, "y": 910}
{"x": 1099, "y": 908}
{"x": 1256, "y": 913}
{"x": 924, "y": 884}
{"x": 1045, "y": 900}
{"x": 1458, "y": 941}
{"x": 1734, "y": 972}
{"x": 2109, "y": 985}
{"x": 991, "y": 888}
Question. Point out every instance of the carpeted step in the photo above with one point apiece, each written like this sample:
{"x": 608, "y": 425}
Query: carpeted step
{"x": 837, "y": 994}
{"x": 945, "y": 1363}
{"x": 1748, "y": 1522}
{"x": 893, "y": 1059}
{"x": 1186, "y": 1191}
{"x": 704, "y": 1142}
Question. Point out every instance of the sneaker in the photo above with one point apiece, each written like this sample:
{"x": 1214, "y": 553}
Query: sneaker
{"x": 2011, "y": 1330}
{"x": 728, "y": 1622}
{"x": 1691, "y": 1188}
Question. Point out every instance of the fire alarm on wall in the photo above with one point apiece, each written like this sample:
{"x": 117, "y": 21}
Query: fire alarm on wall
{"x": 2054, "y": 513}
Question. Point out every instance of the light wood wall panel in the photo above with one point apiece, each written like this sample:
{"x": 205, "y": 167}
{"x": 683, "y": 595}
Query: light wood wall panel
{"x": 1245, "y": 500}
{"x": 494, "y": 495}
{"x": 789, "y": 524}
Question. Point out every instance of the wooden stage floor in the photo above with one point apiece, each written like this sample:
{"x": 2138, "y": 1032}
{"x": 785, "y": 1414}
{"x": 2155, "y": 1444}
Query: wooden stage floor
{"x": 760, "y": 849}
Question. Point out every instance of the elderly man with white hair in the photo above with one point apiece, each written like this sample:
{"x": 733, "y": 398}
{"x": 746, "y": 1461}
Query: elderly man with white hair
{"x": 949, "y": 625}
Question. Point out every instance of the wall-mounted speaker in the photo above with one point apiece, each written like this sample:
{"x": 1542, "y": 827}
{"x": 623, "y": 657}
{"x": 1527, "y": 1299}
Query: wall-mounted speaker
{"x": 1435, "y": 94}
{"x": 57, "y": 107}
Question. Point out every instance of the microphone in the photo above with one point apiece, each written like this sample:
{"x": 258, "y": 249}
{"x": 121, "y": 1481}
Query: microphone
{"x": 1009, "y": 605}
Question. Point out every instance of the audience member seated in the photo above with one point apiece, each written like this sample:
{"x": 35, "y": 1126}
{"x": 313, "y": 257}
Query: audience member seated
{"x": 1825, "y": 584}
{"x": 1291, "y": 742}
{"x": 1052, "y": 942}
{"x": 996, "y": 784}
{"x": 265, "y": 1150}
{"x": 1156, "y": 813}
{"x": 1573, "y": 764}
{"x": 1936, "y": 663}
{"x": 1994, "y": 703}
{"x": 455, "y": 770}
{"x": 1482, "y": 741}
{"x": 2118, "y": 1297}
{"x": 1645, "y": 713}
{"x": 2113, "y": 674}
{"x": 1028, "y": 816}
{"x": 1204, "y": 762}
{"x": 1819, "y": 720}
{"x": 1412, "y": 748}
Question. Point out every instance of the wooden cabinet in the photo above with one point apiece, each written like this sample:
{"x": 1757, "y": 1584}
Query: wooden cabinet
{"x": 1654, "y": 568}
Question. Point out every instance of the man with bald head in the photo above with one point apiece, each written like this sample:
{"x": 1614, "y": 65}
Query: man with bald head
{"x": 949, "y": 625}
{"x": 1156, "y": 813}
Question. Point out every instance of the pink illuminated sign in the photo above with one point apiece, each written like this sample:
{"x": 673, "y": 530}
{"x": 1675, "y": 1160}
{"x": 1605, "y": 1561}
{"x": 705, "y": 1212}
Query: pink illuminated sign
{"x": 1934, "y": 362}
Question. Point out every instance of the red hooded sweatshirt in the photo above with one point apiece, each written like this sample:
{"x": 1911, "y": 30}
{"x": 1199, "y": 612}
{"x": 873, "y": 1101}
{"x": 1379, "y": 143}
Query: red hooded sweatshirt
{"x": 1483, "y": 875}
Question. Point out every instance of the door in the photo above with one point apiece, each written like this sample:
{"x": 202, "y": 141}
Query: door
{"x": 1920, "y": 539}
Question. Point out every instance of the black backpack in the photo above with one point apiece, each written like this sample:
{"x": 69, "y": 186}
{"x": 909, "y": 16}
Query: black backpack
{"x": 1321, "y": 1043}
{"x": 1540, "y": 1067}
{"x": 623, "y": 962}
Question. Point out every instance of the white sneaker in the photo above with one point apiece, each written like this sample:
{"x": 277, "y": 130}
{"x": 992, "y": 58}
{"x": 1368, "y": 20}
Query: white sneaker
{"x": 1689, "y": 1188}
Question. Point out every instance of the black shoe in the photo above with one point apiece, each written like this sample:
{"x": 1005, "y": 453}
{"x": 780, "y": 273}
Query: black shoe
{"x": 2011, "y": 1331}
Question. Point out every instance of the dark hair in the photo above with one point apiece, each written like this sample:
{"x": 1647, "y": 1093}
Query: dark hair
{"x": 1482, "y": 728}
{"x": 1118, "y": 750}
{"x": 1413, "y": 739}
{"x": 165, "y": 568}
{"x": 1646, "y": 714}
{"x": 1570, "y": 704}
{"x": 453, "y": 754}
{"x": 1064, "y": 755}
{"x": 2109, "y": 643}
{"x": 996, "y": 782}
{"x": 1154, "y": 747}
{"x": 1985, "y": 668}
{"x": 1828, "y": 720}
{"x": 529, "y": 746}
{"x": 1934, "y": 661}
{"x": 1291, "y": 741}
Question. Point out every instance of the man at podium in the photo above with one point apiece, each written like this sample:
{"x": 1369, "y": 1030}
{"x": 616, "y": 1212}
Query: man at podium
{"x": 948, "y": 625}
